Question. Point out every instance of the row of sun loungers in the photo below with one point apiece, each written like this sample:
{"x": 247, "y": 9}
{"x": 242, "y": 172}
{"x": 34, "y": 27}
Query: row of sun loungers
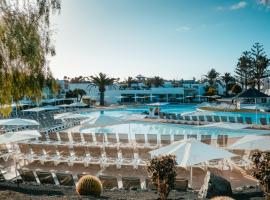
{"x": 172, "y": 117}
{"x": 123, "y": 139}
{"x": 103, "y": 155}
{"x": 64, "y": 179}
{"x": 62, "y": 126}
{"x": 85, "y": 154}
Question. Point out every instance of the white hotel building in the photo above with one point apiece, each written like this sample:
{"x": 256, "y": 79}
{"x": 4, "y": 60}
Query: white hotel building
{"x": 168, "y": 93}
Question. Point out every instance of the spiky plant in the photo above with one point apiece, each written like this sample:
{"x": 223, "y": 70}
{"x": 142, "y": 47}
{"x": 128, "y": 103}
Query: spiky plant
{"x": 89, "y": 185}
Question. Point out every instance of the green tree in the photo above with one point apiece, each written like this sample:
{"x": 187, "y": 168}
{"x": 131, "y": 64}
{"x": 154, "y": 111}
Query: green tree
{"x": 129, "y": 81}
{"x": 79, "y": 93}
{"x": 158, "y": 81}
{"x": 101, "y": 81}
{"x": 25, "y": 45}
{"x": 70, "y": 94}
{"x": 154, "y": 82}
{"x": 260, "y": 63}
{"x": 227, "y": 78}
{"x": 236, "y": 89}
{"x": 210, "y": 90}
{"x": 212, "y": 77}
{"x": 261, "y": 169}
{"x": 244, "y": 70}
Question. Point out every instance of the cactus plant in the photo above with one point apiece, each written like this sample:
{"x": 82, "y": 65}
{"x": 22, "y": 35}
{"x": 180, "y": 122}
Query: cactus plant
{"x": 222, "y": 198}
{"x": 89, "y": 185}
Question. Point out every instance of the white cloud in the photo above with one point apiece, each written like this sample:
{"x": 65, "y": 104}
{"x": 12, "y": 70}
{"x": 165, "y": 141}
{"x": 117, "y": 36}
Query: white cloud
{"x": 183, "y": 29}
{"x": 240, "y": 5}
{"x": 264, "y": 2}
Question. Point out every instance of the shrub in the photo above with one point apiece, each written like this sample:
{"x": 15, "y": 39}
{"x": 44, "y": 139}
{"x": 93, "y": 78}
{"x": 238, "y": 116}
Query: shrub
{"x": 222, "y": 198}
{"x": 162, "y": 171}
{"x": 261, "y": 168}
{"x": 89, "y": 185}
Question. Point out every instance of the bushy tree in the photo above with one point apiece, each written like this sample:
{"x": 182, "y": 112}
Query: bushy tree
{"x": 79, "y": 93}
{"x": 129, "y": 81}
{"x": 212, "y": 77}
{"x": 236, "y": 89}
{"x": 260, "y": 63}
{"x": 162, "y": 171}
{"x": 210, "y": 90}
{"x": 261, "y": 168}
{"x": 70, "y": 94}
{"x": 244, "y": 70}
{"x": 25, "y": 45}
{"x": 252, "y": 66}
{"x": 227, "y": 78}
{"x": 154, "y": 82}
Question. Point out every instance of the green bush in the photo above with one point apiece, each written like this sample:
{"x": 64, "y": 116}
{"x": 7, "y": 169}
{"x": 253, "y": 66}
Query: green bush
{"x": 162, "y": 171}
{"x": 89, "y": 185}
{"x": 261, "y": 169}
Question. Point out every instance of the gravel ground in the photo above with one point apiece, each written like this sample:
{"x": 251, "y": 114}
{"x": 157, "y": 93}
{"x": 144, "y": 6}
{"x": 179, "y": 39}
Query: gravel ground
{"x": 29, "y": 192}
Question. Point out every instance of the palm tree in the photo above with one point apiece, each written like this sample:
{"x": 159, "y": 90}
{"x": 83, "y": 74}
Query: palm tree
{"x": 79, "y": 93}
{"x": 212, "y": 77}
{"x": 101, "y": 81}
{"x": 129, "y": 81}
{"x": 227, "y": 78}
{"x": 155, "y": 81}
{"x": 158, "y": 81}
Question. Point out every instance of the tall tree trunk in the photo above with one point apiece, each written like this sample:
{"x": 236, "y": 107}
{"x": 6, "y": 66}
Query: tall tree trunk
{"x": 259, "y": 84}
{"x": 101, "y": 99}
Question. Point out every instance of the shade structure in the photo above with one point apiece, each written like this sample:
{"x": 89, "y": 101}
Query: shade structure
{"x": 190, "y": 152}
{"x": 121, "y": 97}
{"x": 139, "y": 97}
{"x": 252, "y": 142}
{"x": 63, "y": 105}
{"x": 215, "y": 96}
{"x": 49, "y": 107}
{"x": 69, "y": 116}
{"x": 253, "y": 107}
{"x": 18, "y": 122}
{"x": 13, "y": 137}
{"x": 78, "y": 104}
{"x": 251, "y": 93}
{"x": 157, "y": 104}
{"x": 102, "y": 120}
{"x": 227, "y": 125}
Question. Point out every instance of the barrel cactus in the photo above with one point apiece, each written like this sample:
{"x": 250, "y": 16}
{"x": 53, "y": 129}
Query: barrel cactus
{"x": 222, "y": 198}
{"x": 89, "y": 185}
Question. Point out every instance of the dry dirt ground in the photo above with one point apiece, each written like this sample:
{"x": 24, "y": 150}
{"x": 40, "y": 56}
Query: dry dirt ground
{"x": 29, "y": 192}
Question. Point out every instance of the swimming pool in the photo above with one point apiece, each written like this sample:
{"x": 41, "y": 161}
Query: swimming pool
{"x": 166, "y": 128}
{"x": 120, "y": 112}
{"x": 172, "y": 129}
{"x": 255, "y": 117}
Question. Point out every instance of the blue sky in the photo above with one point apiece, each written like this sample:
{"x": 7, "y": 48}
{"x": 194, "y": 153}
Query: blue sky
{"x": 169, "y": 38}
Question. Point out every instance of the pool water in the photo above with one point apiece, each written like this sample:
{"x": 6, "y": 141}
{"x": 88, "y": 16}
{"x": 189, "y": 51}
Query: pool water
{"x": 255, "y": 117}
{"x": 165, "y": 128}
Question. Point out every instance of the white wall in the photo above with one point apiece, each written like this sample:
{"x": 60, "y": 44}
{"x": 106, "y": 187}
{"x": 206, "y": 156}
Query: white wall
{"x": 112, "y": 94}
